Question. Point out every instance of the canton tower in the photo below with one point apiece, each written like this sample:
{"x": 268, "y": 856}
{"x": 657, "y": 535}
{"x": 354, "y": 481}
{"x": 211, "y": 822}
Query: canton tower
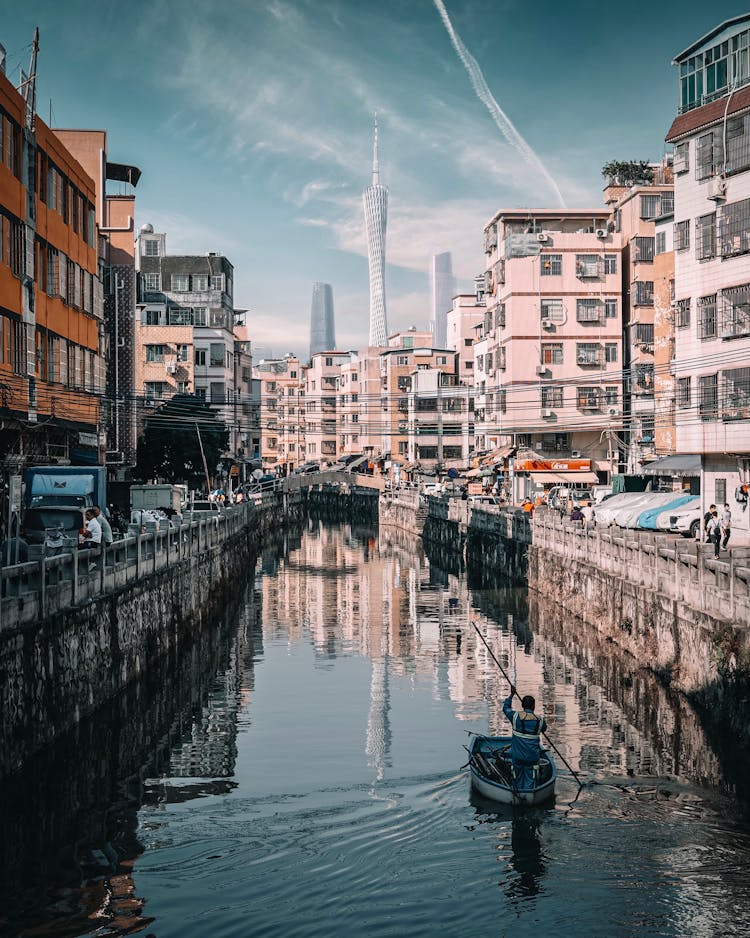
{"x": 375, "y": 199}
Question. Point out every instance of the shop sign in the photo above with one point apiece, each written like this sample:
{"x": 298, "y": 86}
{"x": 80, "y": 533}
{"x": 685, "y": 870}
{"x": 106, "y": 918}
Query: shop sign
{"x": 553, "y": 465}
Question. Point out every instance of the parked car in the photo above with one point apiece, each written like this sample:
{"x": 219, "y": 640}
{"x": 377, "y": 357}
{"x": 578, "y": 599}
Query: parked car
{"x": 628, "y": 517}
{"x": 648, "y": 520}
{"x": 605, "y": 513}
{"x": 685, "y": 520}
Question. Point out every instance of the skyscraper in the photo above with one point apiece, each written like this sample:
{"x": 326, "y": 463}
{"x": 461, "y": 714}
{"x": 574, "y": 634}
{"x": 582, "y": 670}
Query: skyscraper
{"x": 442, "y": 287}
{"x": 375, "y": 199}
{"x": 322, "y": 331}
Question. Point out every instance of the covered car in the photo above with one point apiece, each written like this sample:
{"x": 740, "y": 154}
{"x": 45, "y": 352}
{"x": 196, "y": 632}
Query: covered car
{"x": 629, "y": 516}
{"x": 648, "y": 520}
{"x": 605, "y": 513}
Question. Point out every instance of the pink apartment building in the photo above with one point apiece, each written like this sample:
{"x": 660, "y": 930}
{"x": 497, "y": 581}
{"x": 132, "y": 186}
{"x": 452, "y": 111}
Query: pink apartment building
{"x": 548, "y": 362}
{"x": 282, "y": 416}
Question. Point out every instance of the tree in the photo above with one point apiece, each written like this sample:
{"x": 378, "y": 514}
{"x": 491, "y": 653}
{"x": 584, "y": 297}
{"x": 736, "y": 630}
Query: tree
{"x": 170, "y": 447}
{"x": 628, "y": 172}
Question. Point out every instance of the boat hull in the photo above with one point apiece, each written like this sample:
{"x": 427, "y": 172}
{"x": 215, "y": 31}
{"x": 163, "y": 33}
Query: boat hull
{"x": 494, "y": 788}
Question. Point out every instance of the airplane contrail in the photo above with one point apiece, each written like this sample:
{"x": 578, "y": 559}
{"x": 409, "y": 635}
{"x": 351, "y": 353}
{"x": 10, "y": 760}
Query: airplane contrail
{"x": 501, "y": 119}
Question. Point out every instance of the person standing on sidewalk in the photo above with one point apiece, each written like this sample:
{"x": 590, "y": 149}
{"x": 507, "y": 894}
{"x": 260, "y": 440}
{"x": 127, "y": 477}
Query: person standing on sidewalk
{"x": 713, "y": 532}
{"x": 706, "y": 519}
{"x": 726, "y": 525}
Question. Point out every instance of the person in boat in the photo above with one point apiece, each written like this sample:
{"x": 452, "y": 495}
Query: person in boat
{"x": 525, "y": 747}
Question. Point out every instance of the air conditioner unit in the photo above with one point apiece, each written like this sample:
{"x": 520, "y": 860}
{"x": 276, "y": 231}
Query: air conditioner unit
{"x": 614, "y": 412}
{"x": 542, "y": 237}
{"x": 547, "y": 412}
{"x": 601, "y": 232}
{"x": 171, "y": 368}
{"x": 548, "y": 324}
{"x": 541, "y": 369}
{"x": 575, "y": 454}
{"x": 717, "y": 189}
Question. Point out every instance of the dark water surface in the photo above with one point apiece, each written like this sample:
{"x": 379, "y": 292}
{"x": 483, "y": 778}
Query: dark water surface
{"x": 298, "y": 773}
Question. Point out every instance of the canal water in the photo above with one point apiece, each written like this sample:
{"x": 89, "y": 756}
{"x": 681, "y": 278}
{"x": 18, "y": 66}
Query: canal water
{"x": 299, "y": 771}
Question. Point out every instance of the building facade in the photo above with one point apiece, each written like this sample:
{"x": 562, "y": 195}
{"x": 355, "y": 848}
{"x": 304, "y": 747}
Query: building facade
{"x": 322, "y": 325}
{"x": 282, "y": 413}
{"x": 322, "y": 422}
{"x": 664, "y": 336}
{"x": 442, "y": 288}
{"x": 712, "y": 263}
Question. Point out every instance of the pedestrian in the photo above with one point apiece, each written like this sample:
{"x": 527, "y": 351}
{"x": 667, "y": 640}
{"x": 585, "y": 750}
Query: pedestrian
{"x": 525, "y": 747}
{"x": 706, "y": 519}
{"x": 577, "y": 515}
{"x": 92, "y": 533}
{"x": 713, "y": 531}
{"x": 726, "y": 525}
{"x": 107, "y": 537}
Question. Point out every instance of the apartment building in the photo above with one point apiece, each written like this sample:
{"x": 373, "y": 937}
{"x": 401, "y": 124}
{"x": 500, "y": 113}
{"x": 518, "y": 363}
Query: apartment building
{"x": 548, "y": 361}
{"x": 185, "y": 329}
{"x": 114, "y": 185}
{"x": 322, "y": 425}
{"x": 463, "y": 319}
{"x": 246, "y": 404}
{"x": 52, "y": 342}
{"x": 664, "y": 336}
{"x": 352, "y": 410}
{"x": 440, "y": 419}
{"x": 636, "y": 201}
{"x": 711, "y": 139}
{"x": 282, "y": 415}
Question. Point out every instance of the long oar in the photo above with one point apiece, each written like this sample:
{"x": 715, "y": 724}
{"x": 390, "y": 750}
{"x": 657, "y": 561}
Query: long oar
{"x": 514, "y": 691}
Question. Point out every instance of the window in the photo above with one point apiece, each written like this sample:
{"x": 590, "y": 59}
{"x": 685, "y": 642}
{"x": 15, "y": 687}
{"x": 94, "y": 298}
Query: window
{"x": 182, "y": 387}
{"x": 552, "y": 309}
{"x": 610, "y": 309}
{"x": 682, "y": 313}
{"x": 610, "y": 263}
{"x": 588, "y": 265}
{"x": 151, "y": 317}
{"x": 708, "y": 397}
{"x": 667, "y": 203}
{"x": 720, "y": 491}
{"x": 151, "y": 248}
{"x": 552, "y": 353}
{"x": 218, "y": 319}
{"x": 588, "y": 310}
{"x": 217, "y": 355}
{"x": 643, "y": 333}
{"x": 441, "y": 360}
{"x": 588, "y": 398}
{"x": 610, "y": 351}
{"x": 180, "y": 283}
{"x": 199, "y": 356}
{"x": 588, "y": 353}
{"x": 151, "y": 283}
{"x": 217, "y": 392}
{"x": 709, "y": 154}
{"x": 154, "y": 353}
{"x": 182, "y": 353}
{"x": 734, "y": 229}
{"x": 200, "y": 282}
{"x": 705, "y": 236}
{"x": 650, "y": 206}
{"x": 200, "y": 393}
{"x": 681, "y": 235}
{"x": 217, "y": 282}
{"x": 736, "y": 394}
{"x": 155, "y": 390}
{"x": 468, "y": 342}
{"x": 611, "y": 395}
{"x": 684, "y": 393}
{"x": 681, "y": 162}
{"x": 735, "y": 312}
{"x": 199, "y": 316}
{"x": 738, "y": 143}
{"x": 402, "y": 360}
{"x": 643, "y": 293}
{"x": 707, "y": 316}
{"x": 643, "y": 250}
{"x": 644, "y": 380}
{"x": 552, "y": 397}
{"x": 660, "y": 242}
{"x": 551, "y": 265}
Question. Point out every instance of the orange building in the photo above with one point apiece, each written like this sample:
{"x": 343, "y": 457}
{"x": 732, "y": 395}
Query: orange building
{"x": 51, "y": 300}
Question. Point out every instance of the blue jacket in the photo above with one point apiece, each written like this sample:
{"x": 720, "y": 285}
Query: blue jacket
{"x": 524, "y": 748}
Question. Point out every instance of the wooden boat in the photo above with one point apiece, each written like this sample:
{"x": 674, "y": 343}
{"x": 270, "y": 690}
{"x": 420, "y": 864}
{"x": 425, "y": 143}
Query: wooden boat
{"x": 492, "y": 772}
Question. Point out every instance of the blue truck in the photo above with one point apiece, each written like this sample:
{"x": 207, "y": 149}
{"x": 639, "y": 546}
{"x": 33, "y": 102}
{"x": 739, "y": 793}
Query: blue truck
{"x": 56, "y": 499}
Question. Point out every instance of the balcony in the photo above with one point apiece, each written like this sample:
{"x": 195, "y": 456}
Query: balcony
{"x": 589, "y": 357}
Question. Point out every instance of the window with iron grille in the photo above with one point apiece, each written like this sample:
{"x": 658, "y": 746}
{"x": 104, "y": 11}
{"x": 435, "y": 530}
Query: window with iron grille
{"x": 650, "y": 206}
{"x": 709, "y": 154}
{"x": 589, "y": 265}
{"x": 734, "y": 228}
{"x": 707, "y": 316}
{"x": 682, "y": 235}
{"x": 610, "y": 351}
{"x": 643, "y": 293}
{"x": 660, "y": 242}
{"x": 610, "y": 309}
{"x": 611, "y": 395}
{"x": 588, "y": 309}
{"x": 738, "y": 144}
{"x": 708, "y": 396}
{"x": 705, "y": 236}
{"x": 552, "y": 397}
{"x": 588, "y": 353}
{"x": 682, "y": 313}
{"x": 643, "y": 333}
{"x": 551, "y": 265}
{"x": 684, "y": 392}
{"x": 610, "y": 263}
{"x": 735, "y": 403}
{"x": 644, "y": 378}
{"x": 735, "y": 311}
{"x": 180, "y": 316}
{"x": 552, "y": 353}
{"x": 681, "y": 162}
{"x": 499, "y": 321}
{"x": 552, "y": 309}
{"x": 643, "y": 250}
{"x": 588, "y": 398}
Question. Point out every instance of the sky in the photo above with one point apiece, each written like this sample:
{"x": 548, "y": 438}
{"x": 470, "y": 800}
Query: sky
{"x": 251, "y": 121}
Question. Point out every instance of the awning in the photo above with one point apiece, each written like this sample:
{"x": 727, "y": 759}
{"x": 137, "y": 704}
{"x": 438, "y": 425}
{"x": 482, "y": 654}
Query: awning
{"x": 564, "y": 478}
{"x": 471, "y": 474}
{"x": 497, "y": 455}
{"x": 356, "y": 462}
{"x": 688, "y": 464}
{"x": 121, "y": 172}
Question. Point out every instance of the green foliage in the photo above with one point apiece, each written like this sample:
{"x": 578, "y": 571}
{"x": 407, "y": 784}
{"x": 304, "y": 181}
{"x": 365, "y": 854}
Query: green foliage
{"x": 628, "y": 172}
{"x": 169, "y": 448}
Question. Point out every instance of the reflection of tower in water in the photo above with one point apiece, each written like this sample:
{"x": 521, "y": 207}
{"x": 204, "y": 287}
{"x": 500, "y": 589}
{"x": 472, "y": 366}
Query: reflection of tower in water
{"x": 378, "y": 745}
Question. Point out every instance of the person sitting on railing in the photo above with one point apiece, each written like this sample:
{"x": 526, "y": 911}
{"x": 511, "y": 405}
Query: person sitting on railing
{"x": 92, "y": 533}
